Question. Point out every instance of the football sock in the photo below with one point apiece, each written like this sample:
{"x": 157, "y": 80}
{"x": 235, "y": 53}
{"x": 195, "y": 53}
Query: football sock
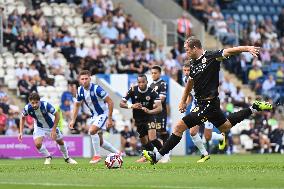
{"x": 108, "y": 146}
{"x": 64, "y": 151}
{"x": 170, "y": 144}
{"x": 196, "y": 139}
{"x": 96, "y": 144}
{"x": 43, "y": 151}
{"x": 156, "y": 143}
{"x": 217, "y": 136}
{"x": 239, "y": 116}
{"x": 164, "y": 137}
{"x": 149, "y": 146}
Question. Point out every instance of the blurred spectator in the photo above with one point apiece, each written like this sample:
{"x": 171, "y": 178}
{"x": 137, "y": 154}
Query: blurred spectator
{"x": 175, "y": 51}
{"x": 81, "y": 51}
{"x": 33, "y": 73}
{"x": 183, "y": 29}
{"x": 267, "y": 85}
{"x": 12, "y": 124}
{"x": 254, "y": 74}
{"x": 56, "y": 65}
{"x": 23, "y": 86}
{"x": 109, "y": 32}
{"x": 280, "y": 75}
{"x": 3, "y": 122}
{"x": 128, "y": 141}
{"x": 276, "y": 136}
{"x": 20, "y": 71}
{"x": 280, "y": 23}
{"x": 227, "y": 86}
{"x": 136, "y": 32}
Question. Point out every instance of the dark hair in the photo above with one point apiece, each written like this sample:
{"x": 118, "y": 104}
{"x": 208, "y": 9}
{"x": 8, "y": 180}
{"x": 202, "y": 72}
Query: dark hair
{"x": 156, "y": 67}
{"x": 193, "y": 42}
{"x": 85, "y": 72}
{"x": 34, "y": 96}
{"x": 142, "y": 75}
{"x": 187, "y": 64}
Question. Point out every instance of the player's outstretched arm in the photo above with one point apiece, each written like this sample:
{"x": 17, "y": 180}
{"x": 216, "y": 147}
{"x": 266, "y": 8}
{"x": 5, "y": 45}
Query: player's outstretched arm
{"x": 22, "y": 122}
{"x": 74, "y": 115}
{"x": 187, "y": 90}
{"x": 157, "y": 108}
{"x": 237, "y": 50}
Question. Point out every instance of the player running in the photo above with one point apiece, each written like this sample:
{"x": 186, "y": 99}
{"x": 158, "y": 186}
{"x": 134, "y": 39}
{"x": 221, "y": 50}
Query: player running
{"x": 45, "y": 124}
{"x": 194, "y": 131}
{"x": 100, "y": 106}
{"x": 145, "y": 104}
{"x": 204, "y": 78}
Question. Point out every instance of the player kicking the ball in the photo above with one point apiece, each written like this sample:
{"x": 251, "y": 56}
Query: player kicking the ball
{"x": 204, "y": 78}
{"x": 46, "y": 120}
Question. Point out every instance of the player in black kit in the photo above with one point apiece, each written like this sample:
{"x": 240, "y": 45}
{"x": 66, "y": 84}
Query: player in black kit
{"x": 160, "y": 86}
{"x": 204, "y": 78}
{"x": 145, "y": 104}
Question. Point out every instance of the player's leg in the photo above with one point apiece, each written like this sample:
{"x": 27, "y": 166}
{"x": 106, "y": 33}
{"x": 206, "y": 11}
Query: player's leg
{"x": 107, "y": 145}
{"x": 152, "y": 134}
{"x": 93, "y": 131}
{"x": 38, "y": 137}
{"x": 161, "y": 126}
{"x": 209, "y": 134}
{"x": 239, "y": 116}
{"x": 197, "y": 140}
{"x": 63, "y": 148}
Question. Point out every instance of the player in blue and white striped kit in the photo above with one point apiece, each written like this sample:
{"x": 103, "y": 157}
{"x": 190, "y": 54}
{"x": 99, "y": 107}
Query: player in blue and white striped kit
{"x": 100, "y": 106}
{"x": 196, "y": 139}
{"x": 45, "y": 124}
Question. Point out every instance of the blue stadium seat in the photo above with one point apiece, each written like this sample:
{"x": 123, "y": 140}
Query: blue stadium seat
{"x": 236, "y": 17}
{"x": 282, "y": 2}
{"x": 260, "y": 2}
{"x": 272, "y": 10}
{"x": 252, "y": 17}
{"x": 278, "y": 9}
{"x": 256, "y": 9}
{"x": 248, "y": 8}
{"x": 275, "y": 18}
{"x": 276, "y": 2}
{"x": 274, "y": 66}
{"x": 244, "y": 2}
{"x": 263, "y": 9}
{"x": 240, "y": 8}
{"x": 259, "y": 17}
{"x": 244, "y": 18}
{"x": 252, "y": 2}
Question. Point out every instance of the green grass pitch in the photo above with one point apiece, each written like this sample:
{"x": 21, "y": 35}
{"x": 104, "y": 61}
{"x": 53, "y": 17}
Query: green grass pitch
{"x": 221, "y": 171}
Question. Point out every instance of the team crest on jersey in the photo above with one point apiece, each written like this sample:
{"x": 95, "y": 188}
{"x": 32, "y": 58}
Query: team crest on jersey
{"x": 148, "y": 98}
{"x": 203, "y": 60}
{"x": 92, "y": 93}
{"x": 156, "y": 88}
{"x": 195, "y": 109}
{"x": 103, "y": 93}
{"x": 52, "y": 109}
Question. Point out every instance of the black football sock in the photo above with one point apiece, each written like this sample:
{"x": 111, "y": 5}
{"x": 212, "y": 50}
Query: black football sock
{"x": 164, "y": 137}
{"x": 157, "y": 144}
{"x": 149, "y": 146}
{"x": 170, "y": 144}
{"x": 239, "y": 116}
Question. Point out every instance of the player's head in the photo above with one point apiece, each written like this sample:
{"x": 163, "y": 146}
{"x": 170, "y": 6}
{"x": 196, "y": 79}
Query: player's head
{"x": 34, "y": 100}
{"x": 193, "y": 47}
{"x": 85, "y": 78}
{"x": 142, "y": 82}
{"x": 186, "y": 68}
{"x": 156, "y": 72}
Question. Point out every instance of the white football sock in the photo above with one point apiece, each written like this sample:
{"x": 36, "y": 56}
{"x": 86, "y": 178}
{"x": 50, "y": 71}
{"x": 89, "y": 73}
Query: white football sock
{"x": 64, "y": 151}
{"x": 196, "y": 139}
{"x": 96, "y": 144}
{"x": 158, "y": 156}
{"x": 108, "y": 146}
{"x": 217, "y": 136}
{"x": 43, "y": 151}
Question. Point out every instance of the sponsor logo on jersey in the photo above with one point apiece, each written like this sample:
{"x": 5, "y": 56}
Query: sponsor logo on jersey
{"x": 148, "y": 98}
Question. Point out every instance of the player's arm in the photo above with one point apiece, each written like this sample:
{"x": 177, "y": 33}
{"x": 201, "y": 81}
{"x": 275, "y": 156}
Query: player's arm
{"x": 109, "y": 102}
{"x": 157, "y": 108}
{"x": 237, "y": 50}
{"x": 188, "y": 100}
{"x": 187, "y": 90}
{"x": 56, "y": 120}
{"x": 76, "y": 107}
{"x": 123, "y": 103}
{"x": 22, "y": 123}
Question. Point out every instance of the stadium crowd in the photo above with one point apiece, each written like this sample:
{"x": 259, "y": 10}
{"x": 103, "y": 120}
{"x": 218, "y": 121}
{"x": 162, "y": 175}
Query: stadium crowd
{"x": 125, "y": 48}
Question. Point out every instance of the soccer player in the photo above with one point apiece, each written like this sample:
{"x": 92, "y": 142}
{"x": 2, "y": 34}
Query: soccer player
{"x": 194, "y": 131}
{"x": 145, "y": 104}
{"x": 160, "y": 86}
{"x": 204, "y": 78}
{"x": 46, "y": 120}
{"x": 100, "y": 106}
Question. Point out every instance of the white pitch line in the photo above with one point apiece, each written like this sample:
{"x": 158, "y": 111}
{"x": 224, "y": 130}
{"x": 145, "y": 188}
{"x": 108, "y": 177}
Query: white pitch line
{"x": 118, "y": 185}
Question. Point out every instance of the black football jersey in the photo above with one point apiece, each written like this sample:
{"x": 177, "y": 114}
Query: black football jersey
{"x": 146, "y": 98}
{"x": 160, "y": 87}
{"x": 205, "y": 73}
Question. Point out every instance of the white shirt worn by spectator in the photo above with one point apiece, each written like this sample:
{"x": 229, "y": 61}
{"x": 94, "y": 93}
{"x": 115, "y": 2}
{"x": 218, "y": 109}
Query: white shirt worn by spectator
{"x": 254, "y": 36}
{"x": 136, "y": 32}
{"x": 228, "y": 86}
{"x": 99, "y": 12}
{"x": 170, "y": 63}
{"x": 268, "y": 84}
{"x": 20, "y": 72}
{"x": 119, "y": 21}
{"x": 40, "y": 45}
{"x": 238, "y": 96}
{"x": 55, "y": 63}
{"x": 82, "y": 52}
{"x": 33, "y": 72}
